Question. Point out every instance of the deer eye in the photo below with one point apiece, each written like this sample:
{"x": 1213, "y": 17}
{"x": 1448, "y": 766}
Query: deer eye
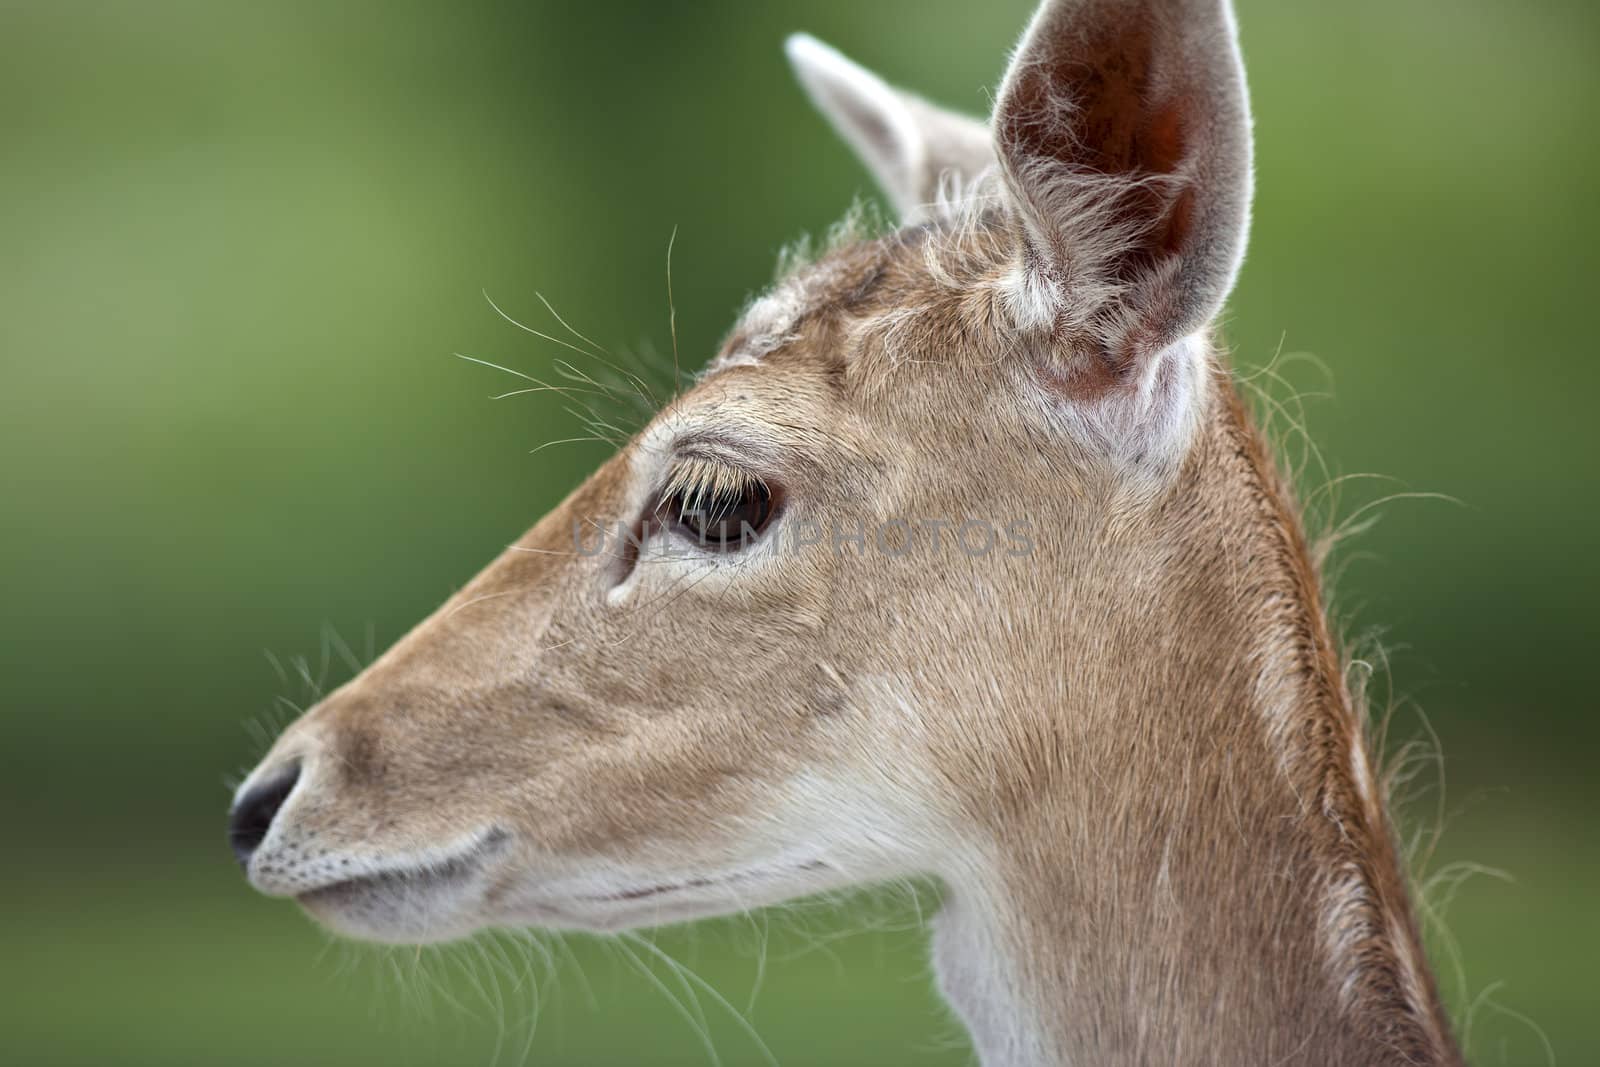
{"x": 715, "y": 506}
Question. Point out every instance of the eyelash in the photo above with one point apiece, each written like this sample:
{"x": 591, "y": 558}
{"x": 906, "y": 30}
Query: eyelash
{"x": 715, "y": 505}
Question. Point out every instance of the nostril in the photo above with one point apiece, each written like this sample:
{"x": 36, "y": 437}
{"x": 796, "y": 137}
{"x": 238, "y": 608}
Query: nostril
{"x": 252, "y": 816}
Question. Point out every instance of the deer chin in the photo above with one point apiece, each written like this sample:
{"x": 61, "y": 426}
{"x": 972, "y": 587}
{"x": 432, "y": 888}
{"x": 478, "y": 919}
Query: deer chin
{"x": 414, "y": 900}
{"x": 618, "y": 900}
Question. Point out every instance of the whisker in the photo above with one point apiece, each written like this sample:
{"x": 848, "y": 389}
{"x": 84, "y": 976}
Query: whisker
{"x": 530, "y": 329}
{"x": 672, "y": 316}
{"x": 568, "y": 326}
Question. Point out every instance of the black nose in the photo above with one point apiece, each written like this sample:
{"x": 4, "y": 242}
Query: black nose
{"x": 251, "y": 818}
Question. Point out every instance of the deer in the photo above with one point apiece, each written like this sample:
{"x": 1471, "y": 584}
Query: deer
{"x": 1121, "y": 737}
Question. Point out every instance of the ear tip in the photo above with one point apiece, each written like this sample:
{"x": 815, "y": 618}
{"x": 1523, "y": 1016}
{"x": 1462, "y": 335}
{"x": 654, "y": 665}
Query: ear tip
{"x": 806, "y": 52}
{"x": 799, "y": 46}
{"x": 798, "y": 42}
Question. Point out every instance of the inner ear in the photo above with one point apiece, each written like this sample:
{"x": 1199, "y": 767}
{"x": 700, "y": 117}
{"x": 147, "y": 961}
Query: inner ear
{"x": 1090, "y": 106}
{"x": 1124, "y": 125}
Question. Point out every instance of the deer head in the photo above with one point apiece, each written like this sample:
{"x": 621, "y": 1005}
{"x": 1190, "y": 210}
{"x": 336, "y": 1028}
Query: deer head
{"x": 959, "y": 559}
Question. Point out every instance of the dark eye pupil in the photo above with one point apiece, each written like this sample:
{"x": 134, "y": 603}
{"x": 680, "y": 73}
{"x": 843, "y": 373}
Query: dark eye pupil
{"x": 725, "y": 520}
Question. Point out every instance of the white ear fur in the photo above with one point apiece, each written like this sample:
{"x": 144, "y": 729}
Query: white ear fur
{"x": 907, "y": 143}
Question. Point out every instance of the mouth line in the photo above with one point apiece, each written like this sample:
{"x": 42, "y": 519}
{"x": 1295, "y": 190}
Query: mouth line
{"x": 646, "y": 892}
{"x": 428, "y": 877}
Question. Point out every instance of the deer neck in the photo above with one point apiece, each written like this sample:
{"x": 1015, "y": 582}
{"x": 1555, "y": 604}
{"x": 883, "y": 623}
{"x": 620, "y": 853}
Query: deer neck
{"x": 1203, "y": 870}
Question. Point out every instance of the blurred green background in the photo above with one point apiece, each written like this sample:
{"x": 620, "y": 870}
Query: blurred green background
{"x": 241, "y": 242}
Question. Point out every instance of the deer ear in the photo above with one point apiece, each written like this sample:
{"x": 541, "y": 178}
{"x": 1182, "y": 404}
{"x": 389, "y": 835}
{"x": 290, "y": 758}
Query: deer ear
{"x": 1123, "y": 131}
{"x": 908, "y": 144}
